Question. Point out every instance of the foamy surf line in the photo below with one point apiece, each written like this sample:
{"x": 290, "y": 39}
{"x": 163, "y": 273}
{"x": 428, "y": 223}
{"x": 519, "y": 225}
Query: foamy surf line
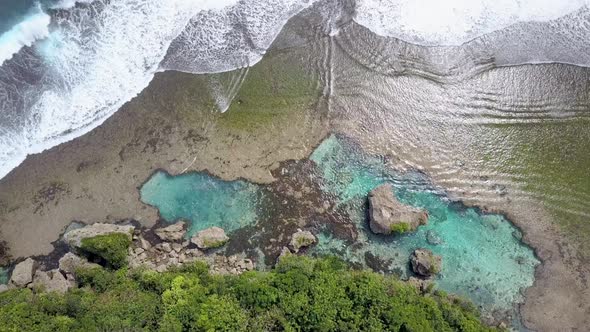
{"x": 104, "y": 53}
{"x": 34, "y": 27}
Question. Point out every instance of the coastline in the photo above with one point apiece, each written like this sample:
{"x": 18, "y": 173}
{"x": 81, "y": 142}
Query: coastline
{"x": 173, "y": 125}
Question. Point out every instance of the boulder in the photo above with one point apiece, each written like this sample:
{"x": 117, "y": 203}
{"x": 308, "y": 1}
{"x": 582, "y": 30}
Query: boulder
{"x": 70, "y": 262}
{"x": 74, "y": 237}
{"x": 422, "y": 286}
{"x": 213, "y": 237}
{"x": 302, "y": 239}
{"x": 172, "y": 233}
{"x": 3, "y": 288}
{"x": 425, "y": 263}
{"x": 52, "y": 281}
{"x": 284, "y": 253}
{"x": 387, "y": 215}
{"x": 22, "y": 275}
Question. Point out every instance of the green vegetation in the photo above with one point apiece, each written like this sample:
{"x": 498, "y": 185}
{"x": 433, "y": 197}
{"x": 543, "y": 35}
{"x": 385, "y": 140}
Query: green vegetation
{"x": 301, "y": 294}
{"x": 110, "y": 248}
{"x": 400, "y": 228}
{"x": 214, "y": 244}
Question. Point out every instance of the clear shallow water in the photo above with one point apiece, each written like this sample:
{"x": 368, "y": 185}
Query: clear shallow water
{"x": 203, "y": 200}
{"x": 483, "y": 258}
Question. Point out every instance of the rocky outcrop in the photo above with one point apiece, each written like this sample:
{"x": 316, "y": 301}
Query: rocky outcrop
{"x": 213, "y": 237}
{"x": 52, "y": 281}
{"x": 232, "y": 265}
{"x": 172, "y": 233}
{"x": 284, "y": 253}
{"x": 422, "y": 286}
{"x": 387, "y": 215}
{"x": 70, "y": 262}
{"x": 302, "y": 239}
{"x": 22, "y": 275}
{"x": 3, "y": 288}
{"x": 425, "y": 263}
{"x": 74, "y": 237}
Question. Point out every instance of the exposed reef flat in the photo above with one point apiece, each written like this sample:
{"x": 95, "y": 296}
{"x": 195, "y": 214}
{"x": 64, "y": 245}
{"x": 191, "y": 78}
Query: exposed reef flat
{"x": 279, "y": 112}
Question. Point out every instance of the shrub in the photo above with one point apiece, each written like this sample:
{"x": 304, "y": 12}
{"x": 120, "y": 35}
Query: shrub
{"x": 110, "y": 248}
{"x": 301, "y": 294}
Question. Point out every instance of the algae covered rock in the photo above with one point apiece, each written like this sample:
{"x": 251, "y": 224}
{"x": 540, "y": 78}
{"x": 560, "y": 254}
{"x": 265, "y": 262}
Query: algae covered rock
{"x": 110, "y": 249}
{"x": 172, "y": 233}
{"x": 22, "y": 275}
{"x": 302, "y": 239}
{"x": 425, "y": 263}
{"x": 387, "y": 215}
{"x": 74, "y": 237}
{"x": 213, "y": 237}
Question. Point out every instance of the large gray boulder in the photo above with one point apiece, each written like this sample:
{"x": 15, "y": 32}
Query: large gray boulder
{"x": 213, "y": 237}
{"x": 302, "y": 239}
{"x": 172, "y": 233}
{"x": 70, "y": 262}
{"x": 425, "y": 263}
{"x": 22, "y": 275}
{"x": 74, "y": 237}
{"x": 52, "y": 281}
{"x": 387, "y": 215}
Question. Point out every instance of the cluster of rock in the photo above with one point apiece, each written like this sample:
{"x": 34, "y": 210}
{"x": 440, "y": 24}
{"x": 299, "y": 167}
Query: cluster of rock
{"x": 28, "y": 274}
{"x": 174, "y": 250}
{"x": 387, "y": 215}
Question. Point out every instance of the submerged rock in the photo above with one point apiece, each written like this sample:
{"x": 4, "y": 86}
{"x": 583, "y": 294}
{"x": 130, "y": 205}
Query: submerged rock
{"x": 302, "y": 239}
{"x": 172, "y": 233}
{"x": 433, "y": 238}
{"x": 74, "y": 237}
{"x": 22, "y": 275}
{"x": 387, "y": 215}
{"x": 425, "y": 263}
{"x": 213, "y": 237}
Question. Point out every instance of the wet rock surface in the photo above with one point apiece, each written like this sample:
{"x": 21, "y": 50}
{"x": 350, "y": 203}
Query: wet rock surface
{"x": 425, "y": 263}
{"x": 387, "y": 215}
{"x": 209, "y": 238}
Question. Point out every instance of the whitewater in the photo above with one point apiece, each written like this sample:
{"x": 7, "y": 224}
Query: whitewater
{"x": 66, "y": 66}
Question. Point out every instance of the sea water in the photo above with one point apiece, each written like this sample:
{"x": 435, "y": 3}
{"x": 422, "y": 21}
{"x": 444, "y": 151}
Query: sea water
{"x": 483, "y": 257}
{"x": 203, "y": 200}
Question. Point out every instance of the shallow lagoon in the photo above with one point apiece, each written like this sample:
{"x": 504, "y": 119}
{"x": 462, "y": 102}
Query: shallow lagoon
{"x": 483, "y": 257}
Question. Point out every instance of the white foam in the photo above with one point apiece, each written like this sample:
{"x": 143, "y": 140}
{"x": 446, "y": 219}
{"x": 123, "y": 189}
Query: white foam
{"x": 25, "y": 33}
{"x": 67, "y": 4}
{"x": 97, "y": 59}
{"x": 454, "y": 22}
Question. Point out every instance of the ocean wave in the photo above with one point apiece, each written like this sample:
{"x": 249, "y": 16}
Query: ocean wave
{"x": 99, "y": 56}
{"x": 454, "y": 22}
{"x": 25, "y": 33}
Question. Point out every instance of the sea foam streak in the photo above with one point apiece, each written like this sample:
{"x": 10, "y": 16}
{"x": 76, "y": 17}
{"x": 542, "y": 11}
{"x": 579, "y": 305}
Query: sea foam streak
{"x": 25, "y": 33}
{"x": 98, "y": 56}
{"x": 454, "y": 22}
{"x": 96, "y": 59}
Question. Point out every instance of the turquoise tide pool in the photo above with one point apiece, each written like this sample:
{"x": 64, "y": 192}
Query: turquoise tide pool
{"x": 203, "y": 200}
{"x": 483, "y": 257}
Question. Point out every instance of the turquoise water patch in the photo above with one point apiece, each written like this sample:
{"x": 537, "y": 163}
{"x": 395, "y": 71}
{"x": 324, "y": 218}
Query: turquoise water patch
{"x": 3, "y": 275}
{"x": 483, "y": 257}
{"x": 202, "y": 199}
